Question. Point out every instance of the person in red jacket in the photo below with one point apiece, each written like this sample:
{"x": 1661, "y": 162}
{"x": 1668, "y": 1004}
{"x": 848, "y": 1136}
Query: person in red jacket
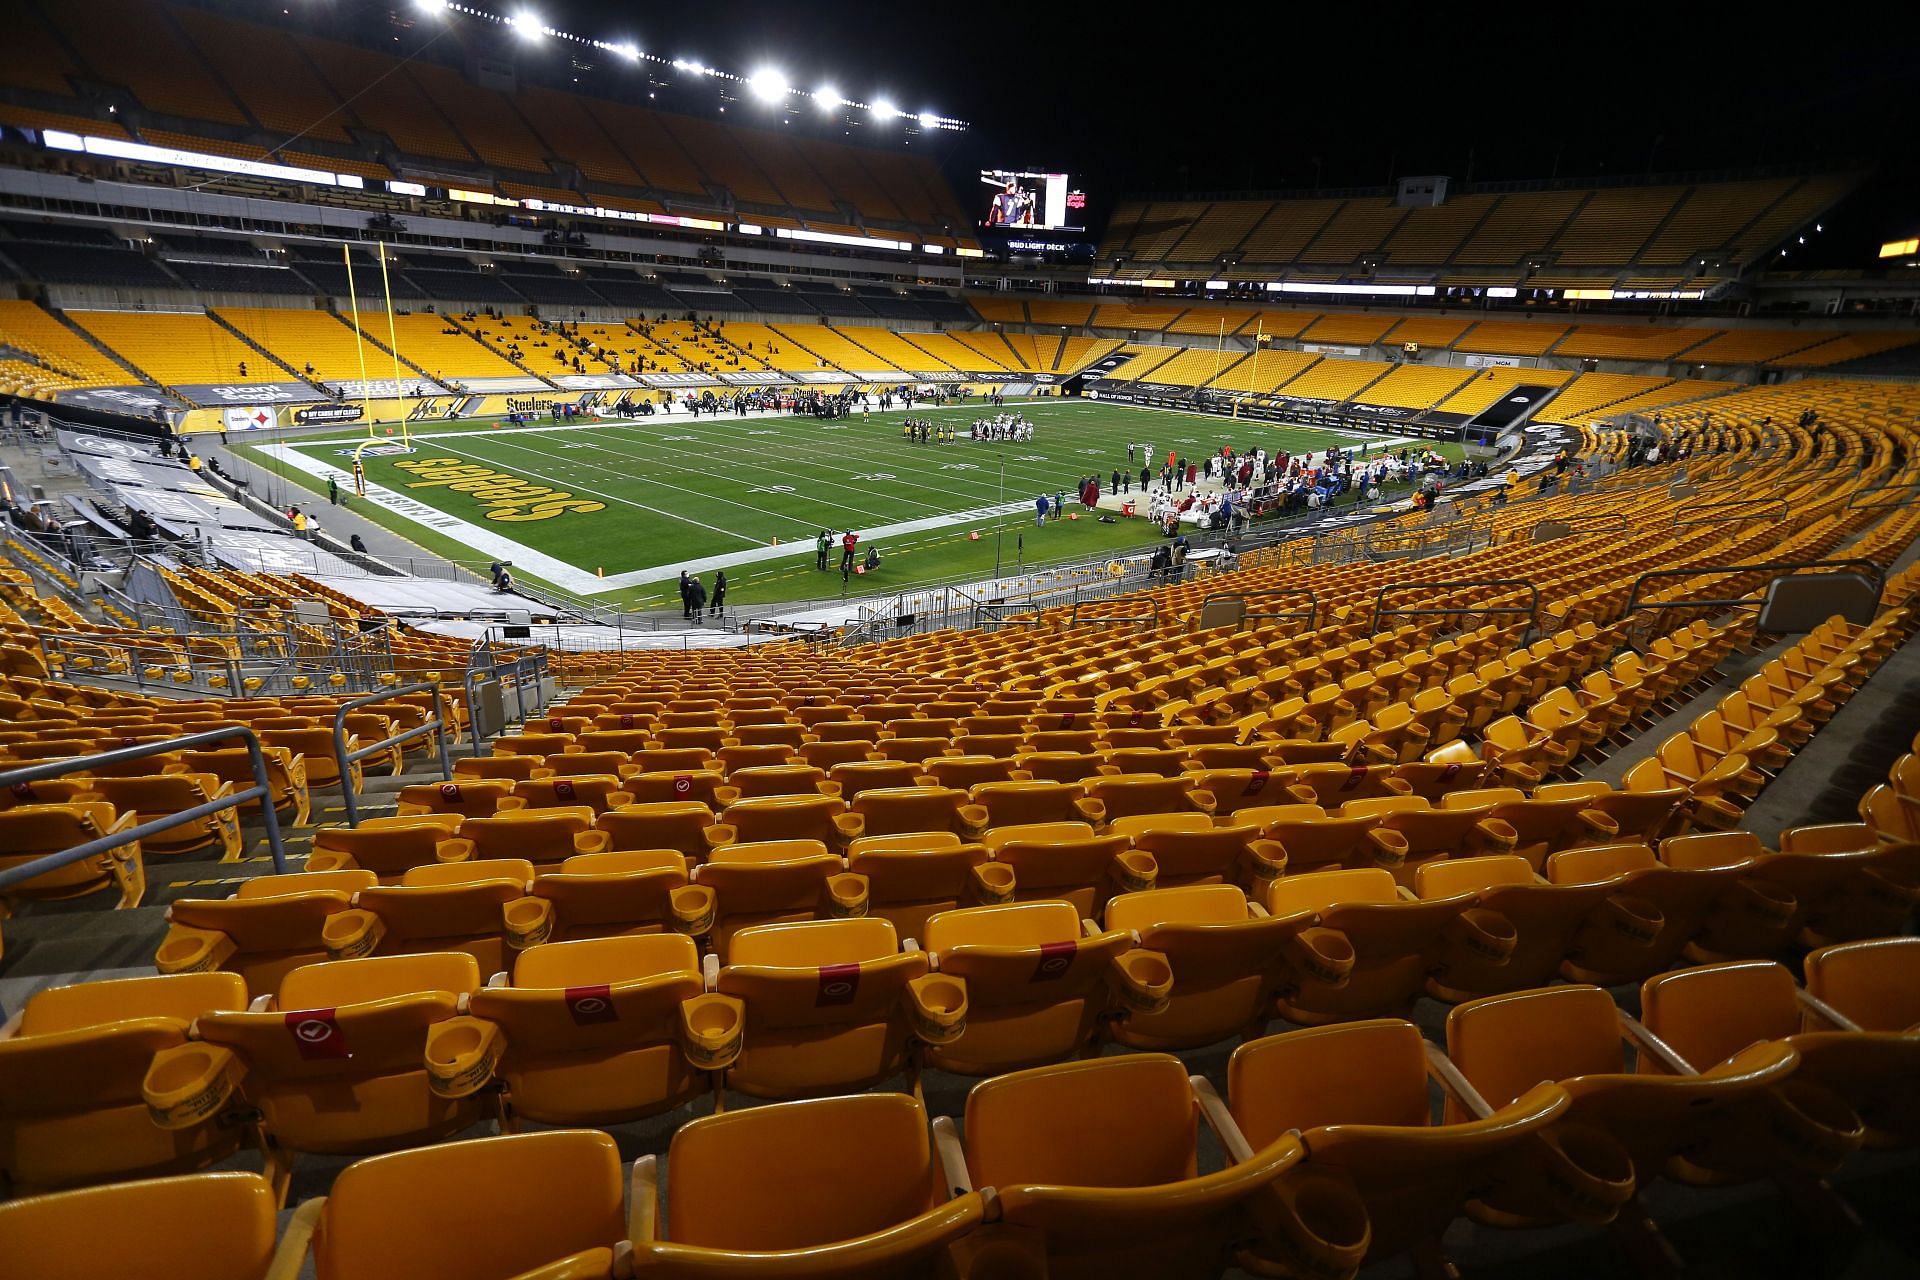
{"x": 847, "y": 545}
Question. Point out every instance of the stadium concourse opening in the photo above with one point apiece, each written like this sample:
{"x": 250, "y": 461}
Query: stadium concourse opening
{"x": 617, "y": 508}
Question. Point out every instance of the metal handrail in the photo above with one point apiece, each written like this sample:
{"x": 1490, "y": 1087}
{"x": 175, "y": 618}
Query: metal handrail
{"x": 348, "y": 759}
{"x": 261, "y": 790}
{"x": 1532, "y": 611}
{"x": 1912, "y": 493}
{"x": 1617, "y": 522}
{"x": 1150, "y": 619}
{"x": 1311, "y": 613}
{"x": 1769, "y": 512}
{"x": 1875, "y": 573}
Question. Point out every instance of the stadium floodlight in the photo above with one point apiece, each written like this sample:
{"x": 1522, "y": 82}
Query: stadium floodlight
{"x": 689, "y": 64}
{"x": 884, "y": 110}
{"x": 827, "y": 97}
{"x": 928, "y": 120}
{"x": 527, "y": 24}
{"x": 629, "y": 51}
{"x": 431, "y": 7}
{"x": 768, "y": 85}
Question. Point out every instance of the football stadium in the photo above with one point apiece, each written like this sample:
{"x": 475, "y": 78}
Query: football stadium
{"x": 802, "y": 641}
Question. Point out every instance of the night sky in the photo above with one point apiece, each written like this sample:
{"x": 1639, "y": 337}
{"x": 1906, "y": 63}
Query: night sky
{"x": 1233, "y": 98}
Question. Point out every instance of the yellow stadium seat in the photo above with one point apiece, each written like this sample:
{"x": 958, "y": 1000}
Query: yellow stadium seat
{"x": 1708, "y": 1014}
{"x": 205, "y": 1226}
{"x": 390, "y": 847}
{"x": 159, "y": 795}
{"x": 286, "y": 775}
{"x": 1356, "y": 1095}
{"x": 461, "y": 907}
{"x": 815, "y": 817}
{"x": 71, "y": 1064}
{"x": 763, "y": 882}
{"x": 597, "y": 895}
{"x": 828, "y": 1006}
{"x": 541, "y": 836}
{"x": 1703, "y": 1127}
{"x": 31, "y": 831}
{"x": 474, "y": 799}
{"x": 704, "y": 786}
{"x": 337, "y": 1061}
{"x": 1228, "y": 958}
{"x": 782, "y": 780}
{"x": 1126, "y": 795}
{"x": 1517, "y": 930}
{"x": 1191, "y": 848}
{"x": 1067, "y": 861}
{"x": 873, "y": 1207}
{"x": 1388, "y": 934}
{"x": 1009, "y": 804}
{"x": 270, "y": 926}
{"x": 590, "y": 1031}
{"x": 680, "y": 825}
{"x": 911, "y": 877}
{"x": 440, "y": 1213}
{"x": 597, "y": 792}
{"x": 1035, "y": 988}
{"x": 1093, "y": 1165}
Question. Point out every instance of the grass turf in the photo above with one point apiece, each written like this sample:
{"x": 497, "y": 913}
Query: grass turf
{"x": 678, "y": 488}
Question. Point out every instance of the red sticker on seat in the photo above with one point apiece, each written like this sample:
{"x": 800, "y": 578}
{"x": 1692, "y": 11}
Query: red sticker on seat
{"x": 450, "y": 792}
{"x": 563, "y": 788}
{"x": 1355, "y": 776}
{"x": 1133, "y": 721}
{"x": 1066, "y": 719}
{"x": 591, "y": 1004}
{"x": 1447, "y": 774}
{"x": 24, "y": 791}
{"x": 626, "y": 720}
{"x": 556, "y": 725}
{"x": 317, "y": 1035}
{"x": 683, "y": 784}
{"x": 839, "y": 983}
{"x": 1257, "y": 783}
{"x": 1055, "y": 959}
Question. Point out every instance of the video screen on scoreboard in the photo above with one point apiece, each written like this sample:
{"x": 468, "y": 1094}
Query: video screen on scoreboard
{"x": 1037, "y": 201}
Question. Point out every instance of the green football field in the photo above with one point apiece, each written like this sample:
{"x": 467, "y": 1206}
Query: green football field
{"x": 615, "y": 509}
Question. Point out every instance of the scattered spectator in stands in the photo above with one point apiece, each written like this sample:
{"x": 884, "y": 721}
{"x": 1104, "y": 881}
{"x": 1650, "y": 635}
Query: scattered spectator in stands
{"x": 333, "y": 491}
{"x": 300, "y": 522}
{"x": 193, "y": 461}
{"x": 358, "y": 544}
{"x": 243, "y": 368}
{"x": 503, "y": 581}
